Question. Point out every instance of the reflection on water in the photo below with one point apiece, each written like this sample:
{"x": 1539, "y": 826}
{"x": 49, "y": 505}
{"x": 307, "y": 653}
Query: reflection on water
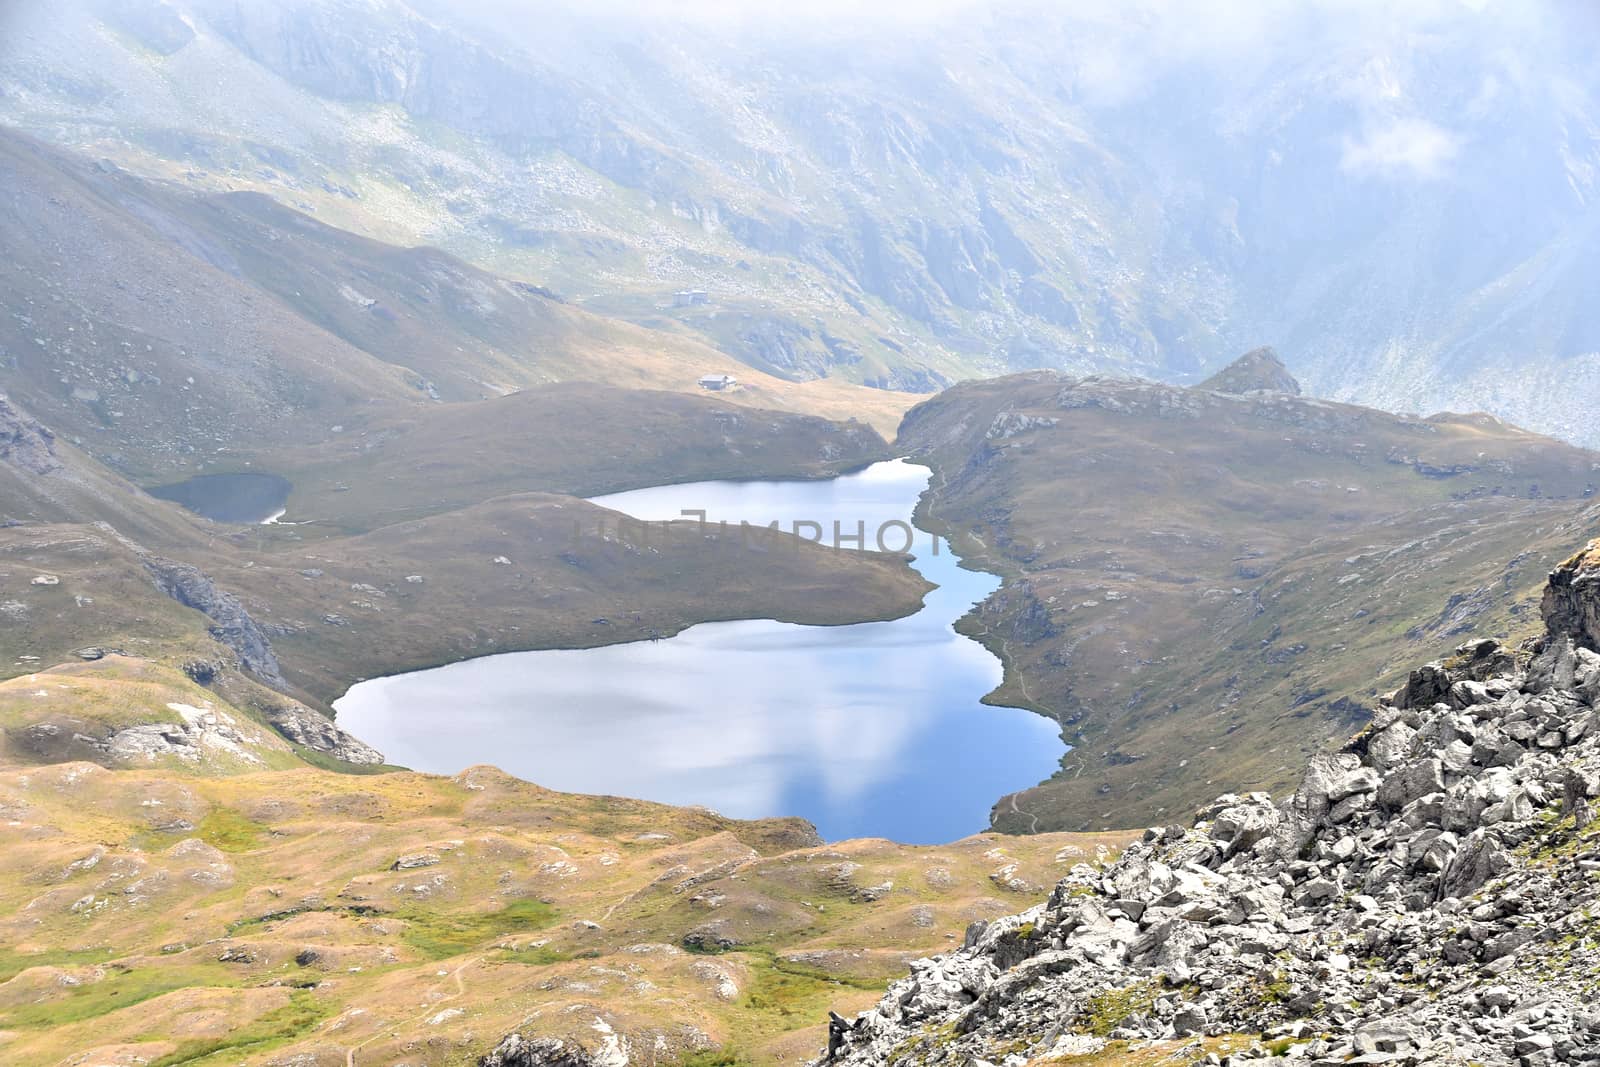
{"x": 240, "y": 498}
{"x": 867, "y": 730}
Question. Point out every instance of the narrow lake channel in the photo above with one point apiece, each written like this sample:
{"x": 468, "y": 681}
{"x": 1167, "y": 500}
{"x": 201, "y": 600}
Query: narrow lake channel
{"x": 867, "y": 730}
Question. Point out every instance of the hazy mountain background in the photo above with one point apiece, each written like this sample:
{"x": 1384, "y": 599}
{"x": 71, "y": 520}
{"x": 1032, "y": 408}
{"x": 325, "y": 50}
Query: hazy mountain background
{"x": 1401, "y": 200}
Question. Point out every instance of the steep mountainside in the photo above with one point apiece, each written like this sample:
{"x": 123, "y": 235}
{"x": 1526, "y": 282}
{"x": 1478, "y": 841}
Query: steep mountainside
{"x": 163, "y": 331}
{"x": 1405, "y": 200}
{"x": 1427, "y": 896}
{"x": 152, "y": 333}
{"x": 1203, "y": 587}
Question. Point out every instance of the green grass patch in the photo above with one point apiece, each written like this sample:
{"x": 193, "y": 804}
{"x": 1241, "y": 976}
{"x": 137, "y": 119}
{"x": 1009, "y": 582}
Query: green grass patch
{"x": 120, "y": 989}
{"x": 1107, "y": 1010}
{"x": 439, "y": 936}
{"x": 537, "y": 956}
{"x": 715, "y": 1057}
{"x": 13, "y": 963}
{"x": 275, "y": 1028}
{"x": 226, "y": 829}
{"x": 792, "y": 995}
{"x": 325, "y": 762}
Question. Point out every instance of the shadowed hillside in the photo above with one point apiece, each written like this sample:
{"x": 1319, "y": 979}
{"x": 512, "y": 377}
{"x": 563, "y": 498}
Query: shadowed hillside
{"x": 489, "y": 564}
{"x": 577, "y": 438}
{"x": 164, "y": 332}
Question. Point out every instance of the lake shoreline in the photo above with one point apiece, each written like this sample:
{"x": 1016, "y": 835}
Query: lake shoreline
{"x": 876, "y": 729}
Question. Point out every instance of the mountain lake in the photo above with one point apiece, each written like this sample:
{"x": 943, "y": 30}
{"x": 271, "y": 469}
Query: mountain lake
{"x": 867, "y": 730}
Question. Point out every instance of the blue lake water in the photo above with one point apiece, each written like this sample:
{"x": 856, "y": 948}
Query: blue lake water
{"x": 867, "y": 730}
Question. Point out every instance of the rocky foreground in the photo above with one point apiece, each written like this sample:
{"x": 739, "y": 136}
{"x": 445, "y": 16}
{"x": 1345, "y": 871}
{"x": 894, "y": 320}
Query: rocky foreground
{"x": 1429, "y": 895}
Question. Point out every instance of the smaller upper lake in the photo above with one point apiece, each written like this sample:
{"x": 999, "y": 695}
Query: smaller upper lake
{"x": 868, "y": 730}
{"x": 239, "y": 498}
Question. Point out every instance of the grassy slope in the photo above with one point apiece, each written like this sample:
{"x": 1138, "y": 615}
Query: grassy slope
{"x": 166, "y": 331}
{"x": 1196, "y": 584}
{"x": 102, "y": 597}
{"x": 576, "y": 438}
{"x": 474, "y": 334}
{"x": 567, "y": 585}
{"x": 604, "y": 585}
{"x": 544, "y": 912}
{"x": 161, "y": 333}
{"x": 575, "y": 579}
{"x": 128, "y": 331}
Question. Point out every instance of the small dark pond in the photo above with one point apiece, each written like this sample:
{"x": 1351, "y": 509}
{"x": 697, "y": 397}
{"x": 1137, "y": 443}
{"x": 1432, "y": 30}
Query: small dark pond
{"x": 237, "y": 498}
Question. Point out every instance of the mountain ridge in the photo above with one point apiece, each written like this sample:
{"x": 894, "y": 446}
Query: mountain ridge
{"x": 979, "y": 194}
{"x": 1201, "y": 586}
{"x": 1258, "y": 369}
{"x": 249, "y": 327}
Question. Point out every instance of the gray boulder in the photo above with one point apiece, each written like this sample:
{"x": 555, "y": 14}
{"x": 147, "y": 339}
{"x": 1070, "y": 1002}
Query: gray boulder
{"x": 514, "y": 1050}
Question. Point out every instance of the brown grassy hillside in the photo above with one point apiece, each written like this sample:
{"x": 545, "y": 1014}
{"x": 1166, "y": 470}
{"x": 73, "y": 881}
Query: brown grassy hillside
{"x": 161, "y": 330}
{"x": 1203, "y": 586}
{"x": 233, "y": 914}
{"x": 421, "y": 585}
{"x": 575, "y": 437}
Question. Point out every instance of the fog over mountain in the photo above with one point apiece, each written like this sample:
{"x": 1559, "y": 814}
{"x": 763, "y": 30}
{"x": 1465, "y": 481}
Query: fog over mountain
{"x": 1400, "y": 201}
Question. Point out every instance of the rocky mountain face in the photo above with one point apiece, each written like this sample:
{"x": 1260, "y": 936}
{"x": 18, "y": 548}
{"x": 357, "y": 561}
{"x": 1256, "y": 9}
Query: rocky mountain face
{"x": 1205, "y": 588}
{"x": 1407, "y": 206}
{"x": 230, "y": 623}
{"x": 24, "y": 442}
{"x": 1427, "y": 896}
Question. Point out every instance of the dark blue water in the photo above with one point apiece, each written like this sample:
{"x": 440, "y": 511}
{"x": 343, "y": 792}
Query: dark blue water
{"x": 240, "y": 498}
{"x": 870, "y": 730}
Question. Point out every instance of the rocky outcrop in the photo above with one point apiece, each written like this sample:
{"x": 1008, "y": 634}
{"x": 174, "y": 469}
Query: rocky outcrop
{"x": 1429, "y": 895}
{"x": 24, "y": 442}
{"x": 312, "y": 730}
{"x": 1257, "y": 370}
{"x": 194, "y": 736}
{"x": 1009, "y": 424}
{"x": 199, "y": 733}
{"x": 231, "y": 624}
{"x": 1572, "y": 599}
{"x": 516, "y": 1051}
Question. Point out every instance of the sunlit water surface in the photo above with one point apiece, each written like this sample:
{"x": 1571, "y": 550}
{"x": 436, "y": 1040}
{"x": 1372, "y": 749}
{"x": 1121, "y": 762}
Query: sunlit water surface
{"x": 872, "y": 729}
